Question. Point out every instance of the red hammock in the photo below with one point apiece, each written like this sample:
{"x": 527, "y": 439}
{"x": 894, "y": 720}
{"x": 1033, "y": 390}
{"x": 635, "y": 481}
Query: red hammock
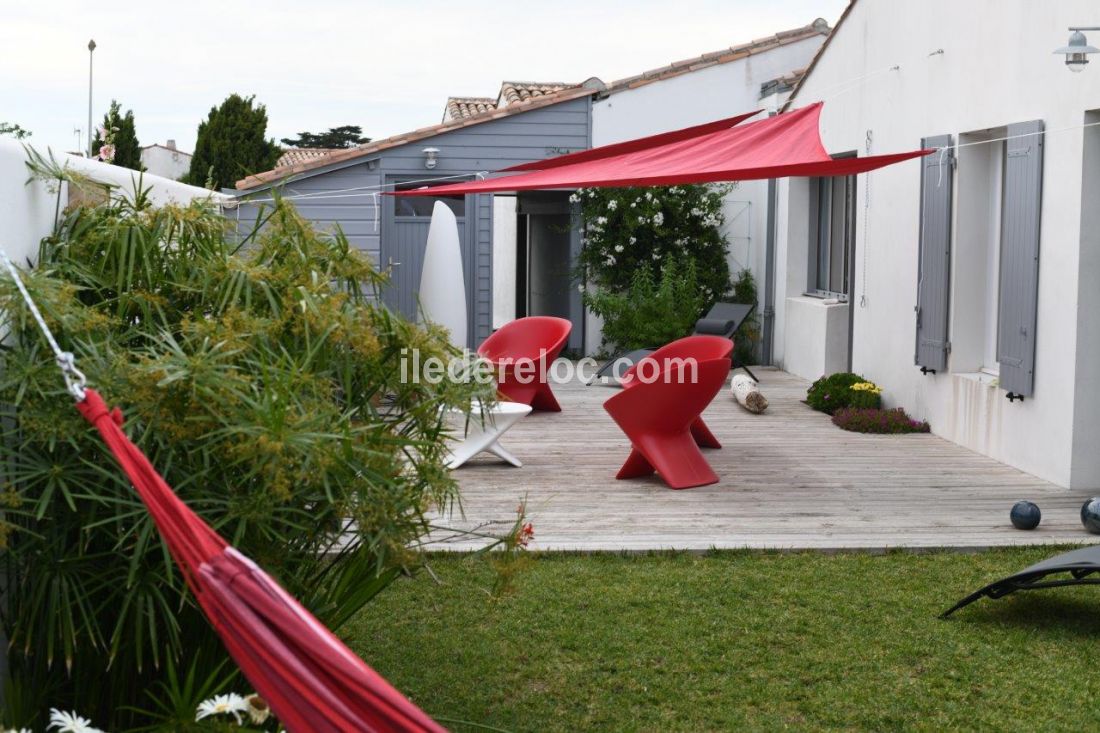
{"x": 313, "y": 682}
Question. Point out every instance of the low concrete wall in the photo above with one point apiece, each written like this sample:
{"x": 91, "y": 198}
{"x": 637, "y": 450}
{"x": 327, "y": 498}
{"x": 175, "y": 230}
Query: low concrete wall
{"x": 816, "y": 337}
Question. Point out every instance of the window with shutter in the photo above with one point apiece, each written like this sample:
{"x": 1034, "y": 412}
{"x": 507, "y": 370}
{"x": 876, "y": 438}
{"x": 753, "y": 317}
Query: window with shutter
{"x": 1019, "y": 282}
{"x": 934, "y": 257}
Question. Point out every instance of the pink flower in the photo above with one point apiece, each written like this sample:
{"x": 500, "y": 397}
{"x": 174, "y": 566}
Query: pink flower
{"x": 526, "y": 534}
{"x": 107, "y": 153}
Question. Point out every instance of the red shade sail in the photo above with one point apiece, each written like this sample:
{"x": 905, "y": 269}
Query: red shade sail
{"x": 631, "y": 146}
{"x": 788, "y": 144}
{"x": 313, "y": 682}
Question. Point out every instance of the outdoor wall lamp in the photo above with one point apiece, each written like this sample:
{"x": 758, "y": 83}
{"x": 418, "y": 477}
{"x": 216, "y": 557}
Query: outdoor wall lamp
{"x": 1078, "y": 50}
{"x": 431, "y": 157}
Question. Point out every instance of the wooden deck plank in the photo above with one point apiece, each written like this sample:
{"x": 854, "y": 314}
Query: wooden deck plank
{"x": 788, "y": 479}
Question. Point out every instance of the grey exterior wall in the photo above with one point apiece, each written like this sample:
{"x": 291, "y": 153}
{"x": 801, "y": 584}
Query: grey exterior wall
{"x": 486, "y": 147}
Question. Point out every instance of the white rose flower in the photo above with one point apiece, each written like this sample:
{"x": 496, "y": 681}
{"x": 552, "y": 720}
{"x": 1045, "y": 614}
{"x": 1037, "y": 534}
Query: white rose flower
{"x": 619, "y": 248}
{"x": 574, "y": 198}
{"x": 659, "y": 218}
{"x": 633, "y": 240}
{"x": 601, "y": 220}
{"x": 612, "y": 204}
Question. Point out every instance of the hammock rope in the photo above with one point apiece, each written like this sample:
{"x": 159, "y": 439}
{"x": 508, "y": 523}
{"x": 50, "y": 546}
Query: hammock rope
{"x": 74, "y": 378}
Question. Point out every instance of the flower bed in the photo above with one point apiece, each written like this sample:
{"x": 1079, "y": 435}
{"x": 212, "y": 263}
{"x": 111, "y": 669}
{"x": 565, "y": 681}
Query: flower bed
{"x": 875, "y": 420}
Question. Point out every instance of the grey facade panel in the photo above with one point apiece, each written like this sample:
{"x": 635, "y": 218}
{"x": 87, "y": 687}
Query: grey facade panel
{"x": 934, "y": 257}
{"x": 1019, "y": 282}
{"x": 489, "y": 146}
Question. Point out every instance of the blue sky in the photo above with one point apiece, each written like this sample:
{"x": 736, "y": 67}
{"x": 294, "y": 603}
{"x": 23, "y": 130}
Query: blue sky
{"x": 387, "y": 66}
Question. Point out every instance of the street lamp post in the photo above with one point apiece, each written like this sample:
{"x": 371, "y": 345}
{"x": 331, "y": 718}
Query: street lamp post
{"x": 91, "y": 49}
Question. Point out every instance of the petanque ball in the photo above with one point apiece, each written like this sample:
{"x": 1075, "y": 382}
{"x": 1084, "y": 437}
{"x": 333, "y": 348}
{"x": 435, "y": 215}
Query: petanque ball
{"x": 1090, "y": 515}
{"x": 1025, "y": 515}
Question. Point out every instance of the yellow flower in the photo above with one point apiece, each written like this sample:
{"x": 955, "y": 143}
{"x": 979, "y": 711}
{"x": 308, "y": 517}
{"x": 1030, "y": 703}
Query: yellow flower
{"x": 867, "y": 387}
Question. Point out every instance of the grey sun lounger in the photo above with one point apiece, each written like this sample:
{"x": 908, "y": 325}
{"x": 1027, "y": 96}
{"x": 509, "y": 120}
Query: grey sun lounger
{"x": 1078, "y": 567}
{"x": 723, "y": 319}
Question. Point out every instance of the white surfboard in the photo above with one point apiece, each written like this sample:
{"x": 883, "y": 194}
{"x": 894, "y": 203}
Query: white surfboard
{"x": 442, "y": 286}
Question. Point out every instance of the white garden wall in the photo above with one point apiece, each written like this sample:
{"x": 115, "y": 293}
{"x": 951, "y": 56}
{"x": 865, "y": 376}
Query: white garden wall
{"x": 30, "y": 206}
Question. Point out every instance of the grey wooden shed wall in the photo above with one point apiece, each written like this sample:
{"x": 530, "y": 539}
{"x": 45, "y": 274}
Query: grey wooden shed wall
{"x": 488, "y": 146}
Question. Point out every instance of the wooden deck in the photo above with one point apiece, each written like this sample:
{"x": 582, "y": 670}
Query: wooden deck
{"x": 789, "y": 479}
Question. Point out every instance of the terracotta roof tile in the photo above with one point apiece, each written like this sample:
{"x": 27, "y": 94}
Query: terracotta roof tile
{"x": 725, "y": 55}
{"x": 293, "y": 156}
{"x": 337, "y": 156}
{"x": 817, "y": 57}
{"x": 521, "y": 91}
{"x": 459, "y": 108}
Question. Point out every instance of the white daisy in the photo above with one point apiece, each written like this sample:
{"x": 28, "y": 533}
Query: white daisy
{"x": 70, "y": 723}
{"x": 231, "y": 704}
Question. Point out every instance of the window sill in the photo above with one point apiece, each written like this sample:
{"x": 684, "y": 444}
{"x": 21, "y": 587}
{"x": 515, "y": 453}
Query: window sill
{"x": 983, "y": 378}
{"x": 826, "y": 299}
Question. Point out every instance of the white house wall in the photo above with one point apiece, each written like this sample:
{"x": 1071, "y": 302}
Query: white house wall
{"x": 694, "y": 98}
{"x": 165, "y": 162}
{"x": 996, "y": 67}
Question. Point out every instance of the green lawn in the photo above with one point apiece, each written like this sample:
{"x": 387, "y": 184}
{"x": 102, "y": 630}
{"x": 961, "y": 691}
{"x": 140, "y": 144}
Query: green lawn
{"x": 740, "y": 641}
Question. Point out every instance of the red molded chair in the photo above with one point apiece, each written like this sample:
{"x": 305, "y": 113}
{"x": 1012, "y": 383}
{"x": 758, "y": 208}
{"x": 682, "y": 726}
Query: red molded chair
{"x": 700, "y": 348}
{"x": 522, "y": 351}
{"x": 657, "y": 417}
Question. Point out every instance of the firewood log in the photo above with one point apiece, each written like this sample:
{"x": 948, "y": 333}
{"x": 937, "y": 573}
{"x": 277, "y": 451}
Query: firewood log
{"x": 747, "y": 393}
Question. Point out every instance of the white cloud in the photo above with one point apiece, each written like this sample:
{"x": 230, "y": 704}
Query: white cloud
{"x": 387, "y": 66}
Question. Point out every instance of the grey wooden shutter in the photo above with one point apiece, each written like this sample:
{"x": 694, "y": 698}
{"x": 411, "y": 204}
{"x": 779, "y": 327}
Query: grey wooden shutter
{"x": 934, "y": 256}
{"x": 1019, "y": 282}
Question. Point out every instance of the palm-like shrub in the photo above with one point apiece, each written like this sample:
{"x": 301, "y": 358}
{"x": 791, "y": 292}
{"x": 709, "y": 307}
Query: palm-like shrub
{"x": 265, "y": 383}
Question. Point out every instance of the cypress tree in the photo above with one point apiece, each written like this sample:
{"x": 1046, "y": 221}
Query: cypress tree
{"x": 231, "y": 144}
{"x": 123, "y": 135}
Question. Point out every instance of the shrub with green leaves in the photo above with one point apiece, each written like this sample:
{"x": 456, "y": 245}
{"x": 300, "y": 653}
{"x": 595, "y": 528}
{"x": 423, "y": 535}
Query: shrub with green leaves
{"x": 265, "y": 382}
{"x": 747, "y": 337}
{"x": 650, "y": 312}
{"x": 843, "y": 389}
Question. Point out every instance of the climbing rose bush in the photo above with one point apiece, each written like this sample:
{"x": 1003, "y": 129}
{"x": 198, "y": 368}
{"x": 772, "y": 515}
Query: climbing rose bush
{"x": 628, "y": 227}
